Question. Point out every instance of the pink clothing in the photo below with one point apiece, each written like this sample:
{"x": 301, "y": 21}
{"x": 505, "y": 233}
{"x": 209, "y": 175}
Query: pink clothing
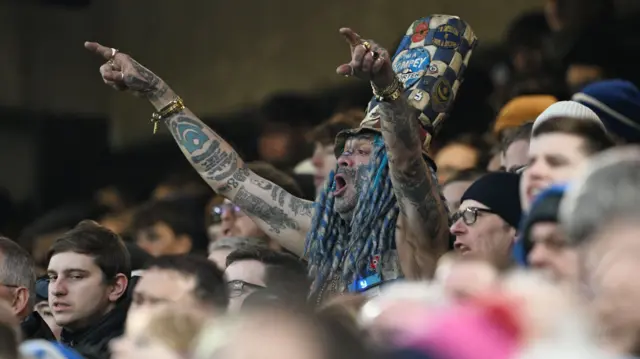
{"x": 475, "y": 331}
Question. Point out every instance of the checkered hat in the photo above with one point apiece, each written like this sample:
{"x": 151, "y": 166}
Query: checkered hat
{"x": 430, "y": 63}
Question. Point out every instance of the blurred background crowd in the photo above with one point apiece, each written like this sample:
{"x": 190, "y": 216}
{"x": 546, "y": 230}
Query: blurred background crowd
{"x": 64, "y": 165}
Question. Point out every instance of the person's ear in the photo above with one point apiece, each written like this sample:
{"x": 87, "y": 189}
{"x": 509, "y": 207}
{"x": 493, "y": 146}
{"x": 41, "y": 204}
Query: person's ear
{"x": 118, "y": 288}
{"x": 20, "y": 303}
{"x": 514, "y": 234}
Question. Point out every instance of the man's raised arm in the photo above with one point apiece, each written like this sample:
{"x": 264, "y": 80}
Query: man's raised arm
{"x": 284, "y": 217}
{"x": 414, "y": 183}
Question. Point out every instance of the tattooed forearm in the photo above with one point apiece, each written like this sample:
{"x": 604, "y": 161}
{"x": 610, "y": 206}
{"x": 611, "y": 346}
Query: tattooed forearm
{"x": 278, "y": 194}
{"x": 262, "y": 183}
{"x": 400, "y": 127}
{"x": 242, "y": 174}
{"x": 206, "y": 151}
{"x": 273, "y": 216}
{"x": 300, "y": 207}
{"x": 417, "y": 191}
{"x": 223, "y": 169}
{"x": 414, "y": 183}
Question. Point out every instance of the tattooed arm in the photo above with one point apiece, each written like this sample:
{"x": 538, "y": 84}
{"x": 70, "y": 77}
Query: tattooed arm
{"x": 415, "y": 187}
{"x": 414, "y": 184}
{"x": 283, "y": 216}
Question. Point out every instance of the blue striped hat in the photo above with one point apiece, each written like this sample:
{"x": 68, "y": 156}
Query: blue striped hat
{"x": 617, "y": 103}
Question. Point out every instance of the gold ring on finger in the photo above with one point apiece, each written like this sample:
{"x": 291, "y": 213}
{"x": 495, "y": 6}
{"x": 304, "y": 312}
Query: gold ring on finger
{"x": 113, "y": 53}
{"x": 367, "y": 45}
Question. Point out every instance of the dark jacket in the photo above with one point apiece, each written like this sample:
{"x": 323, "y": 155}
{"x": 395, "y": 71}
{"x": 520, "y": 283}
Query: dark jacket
{"x": 34, "y": 327}
{"x": 93, "y": 342}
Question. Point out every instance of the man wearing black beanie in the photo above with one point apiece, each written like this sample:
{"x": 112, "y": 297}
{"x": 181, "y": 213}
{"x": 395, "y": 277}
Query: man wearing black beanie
{"x": 486, "y": 222}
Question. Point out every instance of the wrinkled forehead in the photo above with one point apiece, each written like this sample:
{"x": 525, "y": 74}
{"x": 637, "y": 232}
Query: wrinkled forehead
{"x": 353, "y": 140}
{"x": 358, "y": 140}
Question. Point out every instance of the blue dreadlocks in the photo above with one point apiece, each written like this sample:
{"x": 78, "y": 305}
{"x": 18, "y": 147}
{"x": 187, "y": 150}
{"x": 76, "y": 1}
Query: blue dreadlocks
{"x": 371, "y": 231}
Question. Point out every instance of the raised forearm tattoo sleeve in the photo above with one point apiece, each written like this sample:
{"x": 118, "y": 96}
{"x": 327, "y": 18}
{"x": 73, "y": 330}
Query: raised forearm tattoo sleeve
{"x": 275, "y": 217}
{"x": 414, "y": 183}
{"x": 223, "y": 169}
{"x": 208, "y": 153}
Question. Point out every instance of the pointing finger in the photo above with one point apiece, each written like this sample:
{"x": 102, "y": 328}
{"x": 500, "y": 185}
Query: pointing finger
{"x": 105, "y": 52}
{"x": 352, "y": 38}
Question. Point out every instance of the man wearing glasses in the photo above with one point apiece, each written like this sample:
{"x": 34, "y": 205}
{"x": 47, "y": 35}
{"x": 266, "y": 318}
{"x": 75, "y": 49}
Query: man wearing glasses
{"x": 18, "y": 289}
{"x": 257, "y": 269}
{"x": 486, "y": 223}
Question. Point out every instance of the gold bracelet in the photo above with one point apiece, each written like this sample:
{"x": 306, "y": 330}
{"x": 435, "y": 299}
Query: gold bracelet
{"x": 385, "y": 91}
{"x": 390, "y": 93}
{"x": 172, "y": 108}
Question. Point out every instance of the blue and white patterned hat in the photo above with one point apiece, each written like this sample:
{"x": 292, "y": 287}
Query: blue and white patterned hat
{"x": 430, "y": 62}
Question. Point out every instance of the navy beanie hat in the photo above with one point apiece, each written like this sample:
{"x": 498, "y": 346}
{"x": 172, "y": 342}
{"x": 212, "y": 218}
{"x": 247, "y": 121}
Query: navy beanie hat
{"x": 42, "y": 289}
{"x": 545, "y": 208}
{"x": 498, "y": 191}
{"x": 617, "y": 103}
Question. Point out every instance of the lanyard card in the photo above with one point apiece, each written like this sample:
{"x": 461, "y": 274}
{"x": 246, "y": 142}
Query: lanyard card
{"x": 364, "y": 284}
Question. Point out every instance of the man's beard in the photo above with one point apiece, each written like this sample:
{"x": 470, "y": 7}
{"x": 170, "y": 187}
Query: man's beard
{"x": 358, "y": 176}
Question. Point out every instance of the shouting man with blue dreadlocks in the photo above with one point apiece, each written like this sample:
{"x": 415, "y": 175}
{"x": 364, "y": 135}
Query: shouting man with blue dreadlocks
{"x": 381, "y": 215}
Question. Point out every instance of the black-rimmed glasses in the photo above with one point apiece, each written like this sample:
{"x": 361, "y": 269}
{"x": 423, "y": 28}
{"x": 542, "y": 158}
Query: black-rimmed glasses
{"x": 469, "y": 215}
{"x": 237, "y": 288}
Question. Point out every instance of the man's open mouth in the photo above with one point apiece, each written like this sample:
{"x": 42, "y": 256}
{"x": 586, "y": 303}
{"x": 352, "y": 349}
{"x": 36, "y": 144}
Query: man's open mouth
{"x": 341, "y": 185}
